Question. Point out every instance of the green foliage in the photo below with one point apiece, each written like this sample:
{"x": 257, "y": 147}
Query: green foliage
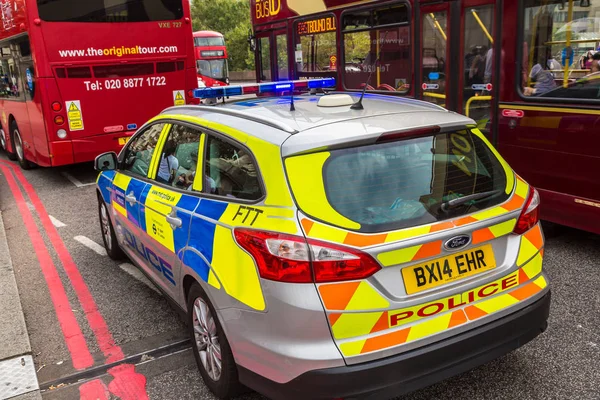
{"x": 232, "y": 19}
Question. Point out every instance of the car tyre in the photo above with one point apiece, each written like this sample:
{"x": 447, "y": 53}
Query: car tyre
{"x": 108, "y": 233}
{"x": 17, "y": 141}
{"x": 208, "y": 340}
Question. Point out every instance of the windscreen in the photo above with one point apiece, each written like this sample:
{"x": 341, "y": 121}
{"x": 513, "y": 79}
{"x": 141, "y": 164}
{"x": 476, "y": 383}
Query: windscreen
{"x": 209, "y": 41}
{"x": 216, "y": 69}
{"x": 411, "y": 182}
{"x": 109, "y": 10}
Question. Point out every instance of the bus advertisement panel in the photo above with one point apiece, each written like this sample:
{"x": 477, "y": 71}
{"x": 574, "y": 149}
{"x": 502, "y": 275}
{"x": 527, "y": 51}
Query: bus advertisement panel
{"x": 211, "y": 58}
{"x": 78, "y": 78}
{"x": 525, "y": 71}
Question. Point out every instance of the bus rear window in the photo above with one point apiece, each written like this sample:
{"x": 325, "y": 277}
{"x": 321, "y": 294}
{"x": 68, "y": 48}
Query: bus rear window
{"x": 109, "y": 10}
{"x": 395, "y": 185}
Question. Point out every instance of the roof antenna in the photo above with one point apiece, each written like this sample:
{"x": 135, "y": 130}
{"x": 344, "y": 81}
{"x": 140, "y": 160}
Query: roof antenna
{"x": 292, "y": 107}
{"x": 358, "y": 105}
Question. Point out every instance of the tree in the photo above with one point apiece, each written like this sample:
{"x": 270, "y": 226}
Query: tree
{"x": 232, "y": 19}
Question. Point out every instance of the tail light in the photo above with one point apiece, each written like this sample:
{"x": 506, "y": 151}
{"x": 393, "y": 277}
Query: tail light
{"x": 288, "y": 258}
{"x": 530, "y": 215}
{"x": 56, "y": 106}
{"x": 59, "y": 120}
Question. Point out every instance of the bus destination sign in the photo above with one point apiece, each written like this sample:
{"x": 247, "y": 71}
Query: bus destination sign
{"x": 318, "y": 25}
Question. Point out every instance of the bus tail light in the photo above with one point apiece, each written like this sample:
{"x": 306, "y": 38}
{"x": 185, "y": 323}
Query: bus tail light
{"x": 59, "y": 120}
{"x": 56, "y": 106}
{"x": 531, "y": 213}
{"x": 289, "y": 258}
{"x": 61, "y": 133}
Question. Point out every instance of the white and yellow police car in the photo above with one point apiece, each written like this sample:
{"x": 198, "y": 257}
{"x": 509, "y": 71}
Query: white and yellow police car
{"x": 327, "y": 250}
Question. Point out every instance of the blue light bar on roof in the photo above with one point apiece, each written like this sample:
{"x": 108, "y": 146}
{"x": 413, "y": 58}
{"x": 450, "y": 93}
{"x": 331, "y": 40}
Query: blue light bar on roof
{"x": 274, "y": 88}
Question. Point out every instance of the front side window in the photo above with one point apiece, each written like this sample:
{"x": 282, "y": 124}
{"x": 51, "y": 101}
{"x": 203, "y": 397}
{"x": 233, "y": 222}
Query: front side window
{"x": 377, "y": 43}
{"x": 179, "y": 159}
{"x": 216, "y": 69}
{"x": 209, "y": 41}
{"x": 560, "y": 52}
{"x": 231, "y": 171}
{"x": 109, "y": 10}
{"x": 138, "y": 153}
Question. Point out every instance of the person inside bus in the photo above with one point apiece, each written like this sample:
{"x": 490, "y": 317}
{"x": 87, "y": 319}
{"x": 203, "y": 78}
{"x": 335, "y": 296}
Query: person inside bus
{"x": 595, "y": 65}
{"x": 169, "y": 164}
{"x": 542, "y": 75}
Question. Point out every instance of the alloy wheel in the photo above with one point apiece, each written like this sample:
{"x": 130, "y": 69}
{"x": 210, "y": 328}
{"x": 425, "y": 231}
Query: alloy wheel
{"x": 207, "y": 339}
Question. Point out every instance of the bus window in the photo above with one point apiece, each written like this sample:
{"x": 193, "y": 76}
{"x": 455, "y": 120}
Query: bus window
{"x": 317, "y": 45}
{"x": 282, "y": 57}
{"x": 10, "y": 81}
{"x": 478, "y": 63}
{"x": 384, "y": 50}
{"x": 561, "y": 49}
{"x": 110, "y": 10}
{"x": 209, "y": 41}
{"x": 433, "y": 57}
{"x": 264, "y": 51}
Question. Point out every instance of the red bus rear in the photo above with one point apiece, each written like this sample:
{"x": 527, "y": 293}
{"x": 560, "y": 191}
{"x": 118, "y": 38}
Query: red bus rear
{"x": 78, "y": 78}
{"x": 523, "y": 70}
{"x": 211, "y": 58}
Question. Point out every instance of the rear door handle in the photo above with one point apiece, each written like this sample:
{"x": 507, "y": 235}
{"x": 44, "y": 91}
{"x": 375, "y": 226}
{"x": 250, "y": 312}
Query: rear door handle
{"x": 131, "y": 198}
{"x": 174, "y": 221}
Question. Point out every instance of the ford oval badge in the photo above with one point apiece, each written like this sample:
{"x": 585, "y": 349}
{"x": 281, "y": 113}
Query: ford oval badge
{"x": 457, "y": 242}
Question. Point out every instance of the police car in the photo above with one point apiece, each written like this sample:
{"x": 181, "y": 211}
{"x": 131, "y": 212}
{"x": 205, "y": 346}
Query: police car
{"x": 326, "y": 245}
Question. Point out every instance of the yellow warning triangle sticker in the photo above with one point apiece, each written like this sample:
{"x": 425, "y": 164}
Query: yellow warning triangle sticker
{"x": 73, "y": 107}
{"x": 179, "y": 96}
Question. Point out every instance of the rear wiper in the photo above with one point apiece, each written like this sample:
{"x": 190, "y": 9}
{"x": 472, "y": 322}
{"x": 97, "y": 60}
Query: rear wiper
{"x": 447, "y": 205}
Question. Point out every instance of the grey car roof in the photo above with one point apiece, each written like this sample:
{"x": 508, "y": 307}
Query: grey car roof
{"x": 310, "y": 126}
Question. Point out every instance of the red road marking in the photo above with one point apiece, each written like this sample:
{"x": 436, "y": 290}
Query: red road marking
{"x": 127, "y": 383}
{"x": 93, "y": 390}
{"x": 80, "y": 354}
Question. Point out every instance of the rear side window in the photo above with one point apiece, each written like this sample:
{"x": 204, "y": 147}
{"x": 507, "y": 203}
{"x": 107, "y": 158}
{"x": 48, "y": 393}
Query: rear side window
{"x": 406, "y": 183}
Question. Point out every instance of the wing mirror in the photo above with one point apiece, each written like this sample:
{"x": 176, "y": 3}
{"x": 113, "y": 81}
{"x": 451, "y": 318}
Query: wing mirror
{"x": 106, "y": 162}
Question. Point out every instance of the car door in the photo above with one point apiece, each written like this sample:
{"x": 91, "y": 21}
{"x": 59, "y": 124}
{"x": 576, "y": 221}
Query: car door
{"x": 128, "y": 185}
{"x": 168, "y": 203}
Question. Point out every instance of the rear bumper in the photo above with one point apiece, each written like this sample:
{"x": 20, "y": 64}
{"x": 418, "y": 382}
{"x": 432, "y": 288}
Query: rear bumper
{"x": 85, "y": 149}
{"x": 416, "y": 369}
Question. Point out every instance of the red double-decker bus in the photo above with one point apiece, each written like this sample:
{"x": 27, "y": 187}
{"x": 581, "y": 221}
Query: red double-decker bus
{"x": 78, "y": 77}
{"x": 524, "y": 70}
{"x": 211, "y": 58}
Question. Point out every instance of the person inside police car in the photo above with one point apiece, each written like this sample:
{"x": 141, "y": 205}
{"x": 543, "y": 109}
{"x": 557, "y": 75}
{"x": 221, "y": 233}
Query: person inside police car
{"x": 169, "y": 164}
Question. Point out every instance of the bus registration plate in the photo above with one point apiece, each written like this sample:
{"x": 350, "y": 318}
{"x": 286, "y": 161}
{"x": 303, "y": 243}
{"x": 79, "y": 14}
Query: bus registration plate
{"x": 448, "y": 269}
{"x": 123, "y": 140}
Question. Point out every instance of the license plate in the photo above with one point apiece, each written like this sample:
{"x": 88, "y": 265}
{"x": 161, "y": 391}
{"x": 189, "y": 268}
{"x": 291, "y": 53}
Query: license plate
{"x": 123, "y": 140}
{"x": 448, "y": 269}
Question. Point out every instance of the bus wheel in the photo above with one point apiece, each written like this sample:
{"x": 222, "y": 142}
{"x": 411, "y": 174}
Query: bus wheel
{"x": 18, "y": 145}
{"x": 3, "y": 138}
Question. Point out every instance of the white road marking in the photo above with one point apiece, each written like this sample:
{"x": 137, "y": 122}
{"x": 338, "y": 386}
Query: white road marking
{"x": 76, "y": 181}
{"x": 56, "y": 222}
{"x": 139, "y": 275}
{"x": 89, "y": 243}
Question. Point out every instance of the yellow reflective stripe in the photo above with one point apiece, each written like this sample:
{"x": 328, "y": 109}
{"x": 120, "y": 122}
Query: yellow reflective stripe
{"x": 122, "y": 181}
{"x": 352, "y": 348}
{"x": 354, "y": 324}
{"x": 510, "y": 174}
{"x": 268, "y": 218}
{"x": 398, "y": 256}
{"x": 541, "y": 282}
{"x": 503, "y": 228}
{"x": 407, "y": 233}
{"x": 526, "y": 251}
{"x": 327, "y": 232}
{"x": 491, "y": 213}
{"x": 522, "y": 189}
{"x": 212, "y": 280}
{"x": 366, "y": 298}
{"x": 119, "y": 209}
{"x": 154, "y": 162}
{"x": 305, "y": 173}
{"x": 496, "y": 303}
{"x": 429, "y": 327}
{"x": 198, "y": 183}
{"x": 236, "y": 270}
{"x": 159, "y": 203}
{"x": 550, "y": 109}
{"x": 534, "y": 267}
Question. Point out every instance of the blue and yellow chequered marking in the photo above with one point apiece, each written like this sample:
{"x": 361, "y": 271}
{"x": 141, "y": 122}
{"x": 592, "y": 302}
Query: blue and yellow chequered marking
{"x": 120, "y": 185}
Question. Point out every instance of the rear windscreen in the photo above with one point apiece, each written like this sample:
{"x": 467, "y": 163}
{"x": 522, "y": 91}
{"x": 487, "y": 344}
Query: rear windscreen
{"x": 109, "y": 10}
{"x": 411, "y": 182}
